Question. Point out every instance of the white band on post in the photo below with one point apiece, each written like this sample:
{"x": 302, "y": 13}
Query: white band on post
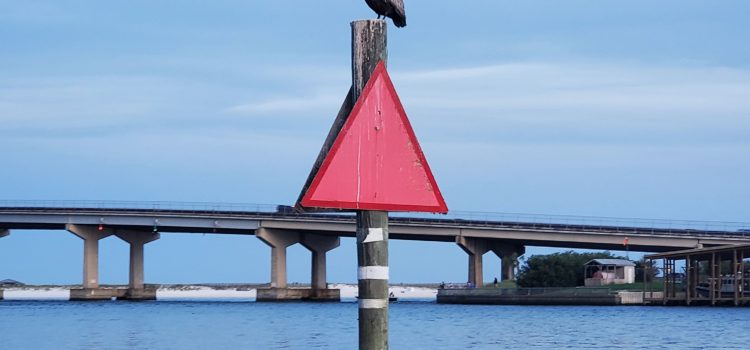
{"x": 374, "y": 235}
{"x": 373, "y": 273}
{"x": 373, "y": 303}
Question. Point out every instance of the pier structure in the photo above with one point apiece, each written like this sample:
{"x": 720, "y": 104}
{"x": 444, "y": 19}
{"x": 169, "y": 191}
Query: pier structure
{"x": 702, "y": 276}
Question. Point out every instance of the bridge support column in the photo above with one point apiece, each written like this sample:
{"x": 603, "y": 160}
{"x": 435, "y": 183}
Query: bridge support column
{"x": 508, "y": 254}
{"x": 278, "y": 240}
{"x": 476, "y": 248}
{"x": 319, "y": 245}
{"x": 90, "y": 288}
{"x": 136, "y": 287}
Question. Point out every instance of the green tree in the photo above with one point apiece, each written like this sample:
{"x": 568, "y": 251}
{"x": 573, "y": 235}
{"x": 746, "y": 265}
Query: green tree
{"x": 557, "y": 270}
{"x": 647, "y": 268}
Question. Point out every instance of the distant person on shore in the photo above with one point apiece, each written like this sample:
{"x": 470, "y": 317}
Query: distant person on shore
{"x": 442, "y": 285}
{"x": 494, "y": 283}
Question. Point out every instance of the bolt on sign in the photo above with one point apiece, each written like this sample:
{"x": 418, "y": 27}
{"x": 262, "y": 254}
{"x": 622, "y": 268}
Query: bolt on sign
{"x": 375, "y": 162}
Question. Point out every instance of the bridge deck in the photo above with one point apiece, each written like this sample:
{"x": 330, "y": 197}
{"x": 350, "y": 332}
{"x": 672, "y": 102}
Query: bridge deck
{"x": 567, "y": 232}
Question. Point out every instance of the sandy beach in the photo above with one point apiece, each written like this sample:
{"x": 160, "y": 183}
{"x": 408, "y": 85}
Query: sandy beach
{"x": 403, "y": 293}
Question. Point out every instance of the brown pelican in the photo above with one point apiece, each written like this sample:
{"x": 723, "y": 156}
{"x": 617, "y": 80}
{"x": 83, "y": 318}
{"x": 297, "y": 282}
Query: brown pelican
{"x": 393, "y": 9}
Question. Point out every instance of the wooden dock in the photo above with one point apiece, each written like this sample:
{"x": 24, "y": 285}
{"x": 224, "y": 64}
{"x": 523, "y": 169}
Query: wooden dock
{"x": 716, "y": 276}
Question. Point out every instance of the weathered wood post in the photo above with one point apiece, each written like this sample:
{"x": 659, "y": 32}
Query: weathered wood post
{"x": 364, "y": 167}
{"x": 369, "y": 46}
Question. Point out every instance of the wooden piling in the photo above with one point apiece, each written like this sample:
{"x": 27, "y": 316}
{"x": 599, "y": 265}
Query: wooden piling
{"x": 372, "y": 258}
{"x": 369, "y": 46}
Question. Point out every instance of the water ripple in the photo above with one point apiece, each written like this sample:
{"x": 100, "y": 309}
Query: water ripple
{"x": 220, "y": 325}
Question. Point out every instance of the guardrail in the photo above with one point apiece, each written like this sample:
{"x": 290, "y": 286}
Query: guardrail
{"x": 490, "y": 219}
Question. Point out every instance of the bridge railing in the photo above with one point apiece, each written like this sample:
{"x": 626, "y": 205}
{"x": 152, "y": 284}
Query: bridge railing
{"x": 139, "y": 205}
{"x": 572, "y": 222}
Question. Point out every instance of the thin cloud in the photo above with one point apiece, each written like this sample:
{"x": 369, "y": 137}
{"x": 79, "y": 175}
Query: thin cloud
{"x": 512, "y": 101}
{"x": 603, "y": 88}
{"x": 296, "y": 105}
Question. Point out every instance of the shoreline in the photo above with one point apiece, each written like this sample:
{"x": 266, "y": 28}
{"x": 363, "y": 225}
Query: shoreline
{"x": 212, "y": 292}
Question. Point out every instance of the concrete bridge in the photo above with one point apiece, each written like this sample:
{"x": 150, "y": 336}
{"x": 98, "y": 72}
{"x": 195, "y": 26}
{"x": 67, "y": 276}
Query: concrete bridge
{"x": 507, "y": 235}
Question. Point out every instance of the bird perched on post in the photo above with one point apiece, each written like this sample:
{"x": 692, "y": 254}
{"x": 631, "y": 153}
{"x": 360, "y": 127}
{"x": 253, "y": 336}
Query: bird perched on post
{"x": 394, "y": 9}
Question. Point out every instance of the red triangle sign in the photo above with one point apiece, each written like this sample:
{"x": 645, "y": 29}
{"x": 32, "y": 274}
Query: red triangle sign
{"x": 375, "y": 162}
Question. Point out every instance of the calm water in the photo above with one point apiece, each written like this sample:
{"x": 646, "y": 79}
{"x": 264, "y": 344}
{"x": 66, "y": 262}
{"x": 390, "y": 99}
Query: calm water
{"x": 232, "y": 325}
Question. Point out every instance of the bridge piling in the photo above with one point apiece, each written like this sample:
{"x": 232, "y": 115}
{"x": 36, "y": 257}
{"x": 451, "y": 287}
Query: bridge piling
{"x": 508, "y": 254}
{"x": 319, "y": 245}
{"x": 278, "y": 240}
{"x": 475, "y": 248}
{"x": 136, "y": 287}
{"x": 90, "y": 287}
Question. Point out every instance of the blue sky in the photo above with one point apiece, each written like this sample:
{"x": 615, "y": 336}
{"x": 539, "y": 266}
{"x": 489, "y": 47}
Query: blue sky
{"x": 616, "y": 108}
